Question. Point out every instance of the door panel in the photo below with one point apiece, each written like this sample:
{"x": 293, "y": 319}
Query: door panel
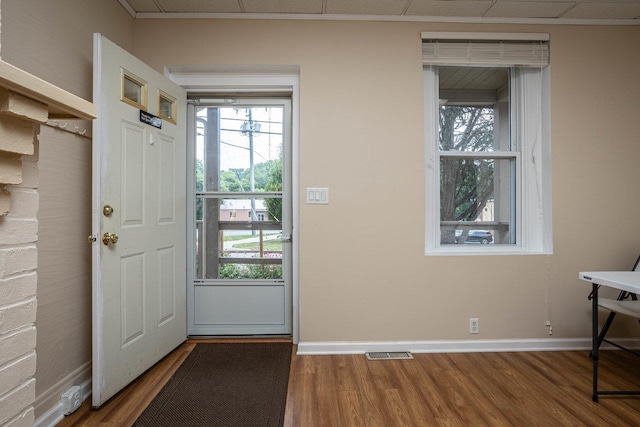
{"x": 167, "y": 285}
{"x": 139, "y": 280}
{"x": 165, "y": 174}
{"x": 132, "y": 294}
{"x": 254, "y": 304}
{"x": 131, "y": 174}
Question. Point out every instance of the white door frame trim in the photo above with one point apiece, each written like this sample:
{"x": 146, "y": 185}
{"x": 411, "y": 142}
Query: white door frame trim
{"x": 255, "y": 79}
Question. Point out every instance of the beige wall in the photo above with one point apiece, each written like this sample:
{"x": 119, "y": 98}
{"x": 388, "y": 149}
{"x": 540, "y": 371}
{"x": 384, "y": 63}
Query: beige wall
{"x": 53, "y": 40}
{"x": 364, "y": 277}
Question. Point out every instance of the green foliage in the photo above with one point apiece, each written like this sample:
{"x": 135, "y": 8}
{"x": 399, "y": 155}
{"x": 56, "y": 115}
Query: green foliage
{"x": 262, "y": 172}
{"x": 267, "y": 177}
{"x": 231, "y": 180}
{"x": 237, "y": 179}
{"x": 274, "y": 206}
{"x": 199, "y": 187}
{"x": 466, "y": 184}
{"x": 250, "y": 271}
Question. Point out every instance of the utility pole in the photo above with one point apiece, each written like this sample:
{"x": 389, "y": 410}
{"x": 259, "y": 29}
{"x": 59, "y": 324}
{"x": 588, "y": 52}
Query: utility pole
{"x": 248, "y": 128}
{"x": 252, "y": 179}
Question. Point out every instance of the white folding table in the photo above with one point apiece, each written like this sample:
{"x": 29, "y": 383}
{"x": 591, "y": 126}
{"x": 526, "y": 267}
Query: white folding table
{"x": 628, "y": 282}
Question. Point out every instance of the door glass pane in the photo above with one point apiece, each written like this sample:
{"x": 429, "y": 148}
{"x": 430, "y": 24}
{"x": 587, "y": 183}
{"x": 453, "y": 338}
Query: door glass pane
{"x": 167, "y": 107}
{"x": 134, "y": 90}
{"x": 238, "y": 238}
{"x": 240, "y": 149}
{"x": 239, "y": 192}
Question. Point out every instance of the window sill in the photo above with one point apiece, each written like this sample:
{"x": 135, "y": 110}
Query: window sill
{"x": 483, "y": 250}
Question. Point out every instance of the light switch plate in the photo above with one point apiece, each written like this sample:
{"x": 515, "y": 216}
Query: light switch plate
{"x": 317, "y": 196}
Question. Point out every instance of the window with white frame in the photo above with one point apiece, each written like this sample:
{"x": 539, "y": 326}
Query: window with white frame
{"x": 487, "y": 143}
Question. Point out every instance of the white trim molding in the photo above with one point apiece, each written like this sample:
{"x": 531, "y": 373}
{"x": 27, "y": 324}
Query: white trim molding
{"x": 454, "y": 346}
{"x": 229, "y": 78}
{"x": 221, "y": 79}
{"x": 383, "y": 18}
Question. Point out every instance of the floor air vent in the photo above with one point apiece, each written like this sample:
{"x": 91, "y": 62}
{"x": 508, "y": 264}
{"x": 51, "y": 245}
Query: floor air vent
{"x": 389, "y": 355}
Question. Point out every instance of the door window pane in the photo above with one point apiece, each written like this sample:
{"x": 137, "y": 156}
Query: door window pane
{"x": 238, "y": 239}
{"x": 239, "y": 192}
{"x": 134, "y": 90}
{"x": 240, "y": 149}
{"x": 167, "y": 107}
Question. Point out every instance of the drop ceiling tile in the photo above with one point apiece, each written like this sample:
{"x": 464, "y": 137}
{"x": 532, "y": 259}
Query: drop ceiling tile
{"x": 202, "y": 6}
{"x": 366, "y": 7}
{"x": 282, "y": 6}
{"x": 568, "y": 9}
{"x": 528, "y": 9}
{"x": 609, "y": 10}
{"x": 142, "y": 6}
{"x": 454, "y": 8}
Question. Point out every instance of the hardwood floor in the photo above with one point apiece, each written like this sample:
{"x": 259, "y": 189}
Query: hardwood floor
{"x": 456, "y": 389}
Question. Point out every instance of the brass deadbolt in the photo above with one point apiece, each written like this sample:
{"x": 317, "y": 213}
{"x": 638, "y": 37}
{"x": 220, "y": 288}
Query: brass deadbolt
{"x": 107, "y": 210}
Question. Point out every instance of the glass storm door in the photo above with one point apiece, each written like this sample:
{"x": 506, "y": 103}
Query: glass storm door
{"x": 241, "y": 219}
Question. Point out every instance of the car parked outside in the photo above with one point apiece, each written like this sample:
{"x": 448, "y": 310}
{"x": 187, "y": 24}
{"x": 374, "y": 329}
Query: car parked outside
{"x": 476, "y": 236}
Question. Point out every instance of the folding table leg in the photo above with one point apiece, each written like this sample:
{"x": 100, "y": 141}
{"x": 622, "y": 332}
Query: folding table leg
{"x": 605, "y": 328}
{"x": 595, "y": 340}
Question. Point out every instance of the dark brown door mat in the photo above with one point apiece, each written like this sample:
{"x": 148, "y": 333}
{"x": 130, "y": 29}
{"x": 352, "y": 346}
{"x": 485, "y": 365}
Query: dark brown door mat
{"x": 240, "y": 384}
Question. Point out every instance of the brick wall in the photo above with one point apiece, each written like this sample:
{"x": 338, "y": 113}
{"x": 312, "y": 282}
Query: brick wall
{"x": 19, "y": 126}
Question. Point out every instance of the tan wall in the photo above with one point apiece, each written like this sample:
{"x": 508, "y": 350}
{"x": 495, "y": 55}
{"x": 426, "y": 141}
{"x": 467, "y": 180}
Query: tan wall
{"x": 53, "y": 40}
{"x": 364, "y": 277}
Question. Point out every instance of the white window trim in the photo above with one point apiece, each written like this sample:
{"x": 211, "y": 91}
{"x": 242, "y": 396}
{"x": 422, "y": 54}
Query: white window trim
{"x": 533, "y": 195}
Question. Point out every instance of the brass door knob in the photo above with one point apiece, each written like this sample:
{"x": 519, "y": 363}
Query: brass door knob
{"x": 109, "y": 238}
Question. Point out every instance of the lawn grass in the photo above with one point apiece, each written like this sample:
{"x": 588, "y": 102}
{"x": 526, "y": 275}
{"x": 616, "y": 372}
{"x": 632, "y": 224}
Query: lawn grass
{"x": 247, "y": 236}
{"x": 269, "y": 245}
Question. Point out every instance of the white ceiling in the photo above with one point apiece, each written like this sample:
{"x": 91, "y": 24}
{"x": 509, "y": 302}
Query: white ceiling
{"x": 410, "y": 10}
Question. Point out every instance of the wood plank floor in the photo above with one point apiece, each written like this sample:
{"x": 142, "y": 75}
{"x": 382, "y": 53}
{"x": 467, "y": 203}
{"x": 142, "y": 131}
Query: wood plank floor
{"x": 456, "y": 389}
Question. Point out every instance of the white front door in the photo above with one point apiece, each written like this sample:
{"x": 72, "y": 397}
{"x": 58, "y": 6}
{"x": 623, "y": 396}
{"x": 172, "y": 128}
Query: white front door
{"x": 139, "y": 181}
{"x": 241, "y": 221}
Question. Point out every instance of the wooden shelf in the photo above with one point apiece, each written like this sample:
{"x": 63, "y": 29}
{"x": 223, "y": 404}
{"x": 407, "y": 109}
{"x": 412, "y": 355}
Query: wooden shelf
{"x": 26, "y": 102}
{"x": 60, "y": 103}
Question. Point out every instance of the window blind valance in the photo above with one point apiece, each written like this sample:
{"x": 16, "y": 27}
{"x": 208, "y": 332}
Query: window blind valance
{"x": 454, "y": 50}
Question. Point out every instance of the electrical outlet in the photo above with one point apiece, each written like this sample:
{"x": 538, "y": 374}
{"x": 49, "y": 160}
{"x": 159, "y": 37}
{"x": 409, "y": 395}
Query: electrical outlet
{"x": 474, "y": 325}
{"x": 71, "y": 399}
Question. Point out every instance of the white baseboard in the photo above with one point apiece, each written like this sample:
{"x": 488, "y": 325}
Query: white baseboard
{"x": 56, "y": 413}
{"x": 468, "y": 346}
